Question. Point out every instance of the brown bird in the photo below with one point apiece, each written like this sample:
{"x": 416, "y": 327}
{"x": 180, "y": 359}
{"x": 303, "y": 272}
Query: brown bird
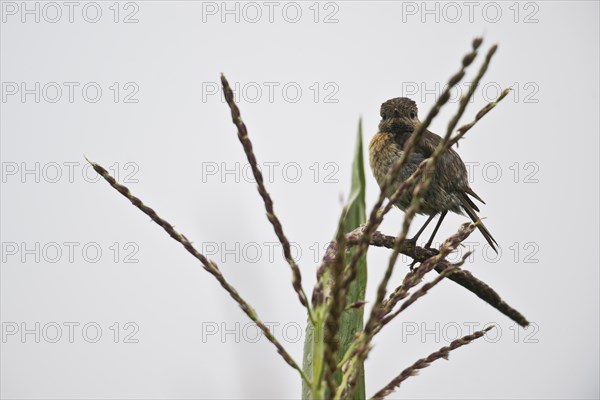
{"x": 449, "y": 189}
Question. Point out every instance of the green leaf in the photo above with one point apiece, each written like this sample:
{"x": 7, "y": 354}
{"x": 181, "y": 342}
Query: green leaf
{"x": 351, "y": 320}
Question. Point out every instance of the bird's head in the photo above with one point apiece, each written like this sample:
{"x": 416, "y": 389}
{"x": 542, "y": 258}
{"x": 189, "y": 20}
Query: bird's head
{"x": 399, "y": 116}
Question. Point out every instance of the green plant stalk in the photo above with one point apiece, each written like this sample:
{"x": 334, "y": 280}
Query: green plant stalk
{"x": 344, "y": 382}
{"x": 308, "y": 362}
{"x": 351, "y": 321}
{"x": 318, "y": 388}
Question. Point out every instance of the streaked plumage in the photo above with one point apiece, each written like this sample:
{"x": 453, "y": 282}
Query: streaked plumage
{"x": 449, "y": 189}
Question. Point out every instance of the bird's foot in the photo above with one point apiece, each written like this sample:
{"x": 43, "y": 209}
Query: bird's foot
{"x": 412, "y": 264}
{"x": 413, "y": 242}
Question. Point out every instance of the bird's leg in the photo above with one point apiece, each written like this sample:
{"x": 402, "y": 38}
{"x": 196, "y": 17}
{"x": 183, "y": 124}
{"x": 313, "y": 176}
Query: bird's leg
{"x": 416, "y": 237}
{"x": 437, "y": 226}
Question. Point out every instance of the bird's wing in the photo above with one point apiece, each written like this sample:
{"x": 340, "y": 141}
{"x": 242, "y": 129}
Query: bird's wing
{"x": 428, "y": 143}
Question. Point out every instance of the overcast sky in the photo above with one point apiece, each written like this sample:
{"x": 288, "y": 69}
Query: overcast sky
{"x": 98, "y": 302}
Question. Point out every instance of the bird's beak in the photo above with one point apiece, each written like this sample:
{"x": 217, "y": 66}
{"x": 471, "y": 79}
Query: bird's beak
{"x": 404, "y": 124}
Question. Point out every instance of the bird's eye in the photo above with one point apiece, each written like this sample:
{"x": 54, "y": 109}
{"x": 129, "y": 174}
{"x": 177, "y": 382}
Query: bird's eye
{"x": 383, "y": 115}
{"x": 413, "y": 115}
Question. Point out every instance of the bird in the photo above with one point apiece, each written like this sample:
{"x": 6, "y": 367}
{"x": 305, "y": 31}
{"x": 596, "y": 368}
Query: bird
{"x": 449, "y": 188}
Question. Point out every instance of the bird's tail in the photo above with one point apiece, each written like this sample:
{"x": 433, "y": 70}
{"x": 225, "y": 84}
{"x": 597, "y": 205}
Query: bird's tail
{"x": 466, "y": 205}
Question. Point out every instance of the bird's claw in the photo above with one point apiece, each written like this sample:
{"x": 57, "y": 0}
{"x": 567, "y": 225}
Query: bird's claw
{"x": 412, "y": 264}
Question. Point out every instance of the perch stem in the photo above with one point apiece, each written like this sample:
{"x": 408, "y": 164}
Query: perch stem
{"x": 266, "y": 197}
{"x": 207, "y": 264}
{"x": 444, "y": 352}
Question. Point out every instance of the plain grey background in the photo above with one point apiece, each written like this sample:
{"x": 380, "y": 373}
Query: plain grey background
{"x": 139, "y": 318}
